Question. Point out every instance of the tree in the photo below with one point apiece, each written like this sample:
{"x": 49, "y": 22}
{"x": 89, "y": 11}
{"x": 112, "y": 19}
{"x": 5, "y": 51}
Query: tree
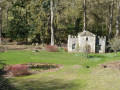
{"x": 0, "y": 24}
{"x": 87, "y": 49}
{"x": 39, "y": 21}
{"x": 18, "y": 25}
{"x": 84, "y": 15}
{"x": 115, "y": 44}
{"x": 53, "y": 6}
{"x": 111, "y": 18}
{"x": 117, "y": 21}
{"x": 52, "y": 27}
{"x": 51, "y": 21}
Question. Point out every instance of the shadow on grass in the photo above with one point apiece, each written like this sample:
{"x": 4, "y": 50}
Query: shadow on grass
{"x": 56, "y": 84}
{"x": 4, "y": 82}
{"x": 96, "y": 56}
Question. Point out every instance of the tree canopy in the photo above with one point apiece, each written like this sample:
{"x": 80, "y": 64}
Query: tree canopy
{"x": 30, "y": 20}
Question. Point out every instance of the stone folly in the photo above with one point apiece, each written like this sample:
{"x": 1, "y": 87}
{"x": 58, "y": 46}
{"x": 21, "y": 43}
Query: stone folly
{"x": 86, "y": 38}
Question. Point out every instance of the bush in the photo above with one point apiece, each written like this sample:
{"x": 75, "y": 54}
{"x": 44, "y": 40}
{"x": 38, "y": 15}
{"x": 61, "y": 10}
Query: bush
{"x": 87, "y": 49}
{"x": 114, "y": 44}
{"x": 66, "y": 49}
{"x": 17, "y": 70}
{"x": 4, "y": 82}
{"x": 51, "y": 48}
{"x": 2, "y": 49}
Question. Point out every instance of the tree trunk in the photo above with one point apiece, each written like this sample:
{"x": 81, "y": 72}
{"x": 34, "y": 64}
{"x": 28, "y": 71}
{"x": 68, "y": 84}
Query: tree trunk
{"x": 77, "y": 25}
{"x": 7, "y": 23}
{"x": 115, "y": 52}
{"x": 0, "y": 24}
{"x": 117, "y": 22}
{"x": 111, "y": 19}
{"x": 84, "y": 28}
{"x": 52, "y": 27}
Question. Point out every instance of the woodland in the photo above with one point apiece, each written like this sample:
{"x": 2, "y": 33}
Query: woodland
{"x": 44, "y": 26}
{"x": 51, "y": 21}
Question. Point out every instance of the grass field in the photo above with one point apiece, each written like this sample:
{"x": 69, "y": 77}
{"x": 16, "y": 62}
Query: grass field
{"x": 70, "y": 77}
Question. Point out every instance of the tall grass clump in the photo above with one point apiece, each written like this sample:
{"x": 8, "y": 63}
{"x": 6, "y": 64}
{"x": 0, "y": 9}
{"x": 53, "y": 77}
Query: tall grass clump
{"x": 17, "y": 70}
{"x": 51, "y": 48}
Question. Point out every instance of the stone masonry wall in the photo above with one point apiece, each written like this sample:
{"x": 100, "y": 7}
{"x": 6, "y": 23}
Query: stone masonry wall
{"x": 72, "y": 42}
{"x": 102, "y": 43}
{"x": 82, "y": 42}
{"x": 77, "y": 44}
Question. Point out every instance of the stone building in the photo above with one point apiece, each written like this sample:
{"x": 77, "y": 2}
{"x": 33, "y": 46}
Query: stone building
{"x": 86, "y": 38}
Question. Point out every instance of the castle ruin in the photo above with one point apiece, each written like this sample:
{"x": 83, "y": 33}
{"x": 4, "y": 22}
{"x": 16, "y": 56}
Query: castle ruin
{"x": 96, "y": 44}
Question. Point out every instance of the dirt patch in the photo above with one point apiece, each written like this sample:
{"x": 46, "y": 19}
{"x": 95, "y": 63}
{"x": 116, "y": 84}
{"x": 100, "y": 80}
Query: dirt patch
{"x": 22, "y": 47}
{"x": 112, "y": 65}
{"x": 77, "y": 66}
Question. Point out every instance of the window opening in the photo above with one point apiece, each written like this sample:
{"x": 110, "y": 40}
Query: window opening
{"x": 87, "y": 39}
{"x": 73, "y": 46}
{"x": 99, "y": 47}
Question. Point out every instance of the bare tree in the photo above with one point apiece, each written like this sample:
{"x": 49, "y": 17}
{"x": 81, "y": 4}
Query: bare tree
{"x": 117, "y": 22}
{"x": 111, "y": 18}
{"x": 115, "y": 44}
{"x": 87, "y": 49}
{"x": 84, "y": 28}
{"x": 53, "y": 6}
{"x": 52, "y": 27}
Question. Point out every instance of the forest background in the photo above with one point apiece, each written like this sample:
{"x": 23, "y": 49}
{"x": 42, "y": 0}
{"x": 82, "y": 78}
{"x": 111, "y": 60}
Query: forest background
{"x": 30, "y": 20}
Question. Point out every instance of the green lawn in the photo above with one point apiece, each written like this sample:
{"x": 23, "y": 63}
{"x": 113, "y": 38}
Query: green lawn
{"x": 69, "y": 77}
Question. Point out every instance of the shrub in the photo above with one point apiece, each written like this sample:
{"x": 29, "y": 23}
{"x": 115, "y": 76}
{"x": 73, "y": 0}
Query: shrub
{"x": 51, "y": 48}
{"x": 66, "y": 49}
{"x": 87, "y": 49}
{"x": 114, "y": 44}
{"x": 17, "y": 70}
{"x": 2, "y": 49}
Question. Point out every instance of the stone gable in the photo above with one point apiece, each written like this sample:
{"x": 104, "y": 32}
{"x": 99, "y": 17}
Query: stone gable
{"x": 86, "y": 33}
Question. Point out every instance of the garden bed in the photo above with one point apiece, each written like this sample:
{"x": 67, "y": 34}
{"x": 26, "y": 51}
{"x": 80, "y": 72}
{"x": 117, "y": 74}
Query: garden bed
{"x": 112, "y": 65}
{"x": 30, "y": 68}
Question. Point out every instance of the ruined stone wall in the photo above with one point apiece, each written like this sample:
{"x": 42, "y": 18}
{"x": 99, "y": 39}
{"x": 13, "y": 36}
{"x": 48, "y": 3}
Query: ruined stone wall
{"x": 77, "y": 44}
{"x": 102, "y": 44}
{"x": 72, "y": 43}
{"x": 86, "y": 40}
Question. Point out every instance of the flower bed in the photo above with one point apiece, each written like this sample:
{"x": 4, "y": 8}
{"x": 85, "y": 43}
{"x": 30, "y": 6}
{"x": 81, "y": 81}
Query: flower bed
{"x": 30, "y": 68}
